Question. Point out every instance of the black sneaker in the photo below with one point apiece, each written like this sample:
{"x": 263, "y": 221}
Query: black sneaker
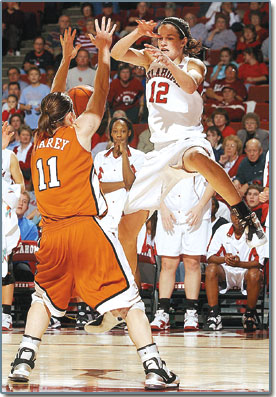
{"x": 82, "y": 320}
{"x": 158, "y": 377}
{"x": 250, "y": 321}
{"x": 22, "y": 365}
{"x": 255, "y": 235}
{"x": 213, "y": 322}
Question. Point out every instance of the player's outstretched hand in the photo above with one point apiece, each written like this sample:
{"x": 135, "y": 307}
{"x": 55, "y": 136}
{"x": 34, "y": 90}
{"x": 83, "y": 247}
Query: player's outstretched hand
{"x": 7, "y": 134}
{"x": 158, "y": 54}
{"x": 67, "y": 44}
{"x": 104, "y": 34}
{"x": 145, "y": 28}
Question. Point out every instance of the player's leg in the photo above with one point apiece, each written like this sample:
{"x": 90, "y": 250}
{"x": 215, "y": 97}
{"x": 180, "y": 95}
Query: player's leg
{"x": 192, "y": 288}
{"x": 7, "y": 296}
{"x": 166, "y": 285}
{"x": 213, "y": 275}
{"x": 253, "y": 279}
{"x": 196, "y": 159}
{"x": 128, "y": 230}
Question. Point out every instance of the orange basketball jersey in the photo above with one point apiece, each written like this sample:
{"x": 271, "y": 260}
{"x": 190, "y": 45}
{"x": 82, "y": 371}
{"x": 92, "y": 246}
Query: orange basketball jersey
{"x": 64, "y": 179}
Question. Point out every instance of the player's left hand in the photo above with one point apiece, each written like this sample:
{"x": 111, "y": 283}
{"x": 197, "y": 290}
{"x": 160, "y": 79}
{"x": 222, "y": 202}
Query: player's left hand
{"x": 104, "y": 34}
{"x": 232, "y": 260}
{"x": 194, "y": 215}
{"x": 158, "y": 54}
{"x": 7, "y": 134}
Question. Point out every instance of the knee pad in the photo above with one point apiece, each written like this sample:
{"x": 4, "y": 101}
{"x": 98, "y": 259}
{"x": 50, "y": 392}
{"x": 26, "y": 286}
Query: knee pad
{"x": 138, "y": 305}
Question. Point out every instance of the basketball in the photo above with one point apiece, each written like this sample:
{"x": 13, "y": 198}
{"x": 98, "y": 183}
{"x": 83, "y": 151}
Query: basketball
{"x": 80, "y": 96}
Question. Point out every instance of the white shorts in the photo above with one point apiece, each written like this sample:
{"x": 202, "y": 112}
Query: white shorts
{"x": 184, "y": 239}
{"x": 234, "y": 278}
{"x": 161, "y": 171}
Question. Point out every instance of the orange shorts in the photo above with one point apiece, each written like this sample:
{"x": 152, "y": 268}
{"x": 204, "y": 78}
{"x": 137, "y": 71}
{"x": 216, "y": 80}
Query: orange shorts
{"x": 76, "y": 258}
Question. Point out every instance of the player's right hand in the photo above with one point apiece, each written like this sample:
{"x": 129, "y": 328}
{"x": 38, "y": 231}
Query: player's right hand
{"x": 145, "y": 28}
{"x": 104, "y": 34}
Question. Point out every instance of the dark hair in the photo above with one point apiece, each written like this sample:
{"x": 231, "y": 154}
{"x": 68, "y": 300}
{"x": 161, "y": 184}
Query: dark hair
{"x": 252, "y": 28}
{"x": 193, "y": 46}
{"x": 123, "y": 66}
{"x": 40, "y": 37}
{"x": 16, "y": 115}
{"x": 129, "y": 126}
{"x": 215, "y": 129}
{"x": 54, "y": 107}
{"x": 233, "y": 66}
{"x": 153, "y": 224}
{"x": 256, "y": 187}
{"x": 216, "y": 204}
{"x": 14, "y": 83}
{"x": 12, "y": 95}
{"x": 223, "y": 112}
{"x": 256, "y": 12}
{"x": 13, "y": 67}
{"x": 34, "y": 68}
{"x": 87, "y": 5}
{"x": 256, "y": 53}
{"x": 227, "y": 49}
{"x": 222, "y": 16}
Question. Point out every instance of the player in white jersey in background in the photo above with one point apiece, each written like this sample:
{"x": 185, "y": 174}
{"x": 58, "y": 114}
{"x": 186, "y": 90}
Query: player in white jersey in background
{"x": 175, "y": 109}
{"x": 183, "y": 231}
{"x": 12, "y": 185}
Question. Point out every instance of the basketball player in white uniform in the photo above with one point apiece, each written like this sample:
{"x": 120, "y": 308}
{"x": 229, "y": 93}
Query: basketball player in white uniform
{"x": 116, "y": 169}
{"x": 183, "y": 231}
{"x": 230, "y": 259}
{"x": 12, "y": 186}
{"x": 175, "y": 109}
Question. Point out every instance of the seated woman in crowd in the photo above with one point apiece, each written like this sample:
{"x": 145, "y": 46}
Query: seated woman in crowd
{"x": 227, "y": 8}
{"x": 214, "y": 136}
{"x": 232, "y": 157}
{"x": 253, "y": 70}
{"x": 12, "y": 107}
{"x": 221, "y": 120}
{"x": 256, "y": 20}
{"x": 87, "y": 12}
{"x": 84, "y": 40}
{"x": 251, "y": 129}
{"x": 263, "y": 8}
{"x": 219, "y": 70}
{"x": 248, "y": 39}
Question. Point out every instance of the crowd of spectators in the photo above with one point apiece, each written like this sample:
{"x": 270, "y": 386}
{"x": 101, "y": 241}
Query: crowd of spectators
{"x": 237, "y": 35}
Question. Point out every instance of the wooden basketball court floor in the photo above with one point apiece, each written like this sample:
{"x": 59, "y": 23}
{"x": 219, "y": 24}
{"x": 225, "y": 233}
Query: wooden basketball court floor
{"x": 73, "y": 361}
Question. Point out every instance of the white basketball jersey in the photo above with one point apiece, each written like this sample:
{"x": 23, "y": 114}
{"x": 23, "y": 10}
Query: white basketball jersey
{"x": 6, "y": 163}
{"x": 173, "y": 113}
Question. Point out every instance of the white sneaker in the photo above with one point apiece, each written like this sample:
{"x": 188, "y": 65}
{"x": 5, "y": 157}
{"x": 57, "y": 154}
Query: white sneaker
{"x": 159, "y": 377}
{"x": 54, "y": 323}
{"x": 6, "y": 322}
{"x": 191, "y": 320}
{"x": 213, "y": 322}
{"x": 161, "y": 320}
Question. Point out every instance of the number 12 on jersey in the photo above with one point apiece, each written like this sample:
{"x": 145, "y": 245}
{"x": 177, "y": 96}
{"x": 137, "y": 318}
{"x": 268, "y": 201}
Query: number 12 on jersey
{"x": 158, "y": 95}
{"x": 53, "y": 177}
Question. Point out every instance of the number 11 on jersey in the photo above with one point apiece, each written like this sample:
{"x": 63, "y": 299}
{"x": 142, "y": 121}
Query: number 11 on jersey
{"x": 53, "y": 175}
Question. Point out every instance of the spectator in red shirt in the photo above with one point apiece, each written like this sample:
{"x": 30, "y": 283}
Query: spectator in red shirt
{"x": 12, "y": 107}
{"x": 252, "y": 197}
{"x": 221, "y": 120}
{"x": 259, "y": 6}
{"x": 126, "y": 93}
{"x": 142, "y": 12}
{"x": 248, "y": 39}
{"x": 235, "y": 108}
{"x": 214, "y": 92}
{"x": 256, "y": 20}
{"x": 115, "y": 18}
{"x": 232, "y": 156}
{"x": 87, "y": 12}
{"x": 252, "y": 71}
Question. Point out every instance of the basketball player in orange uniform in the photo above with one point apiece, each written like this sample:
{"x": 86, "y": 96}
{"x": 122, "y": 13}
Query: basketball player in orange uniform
{"x": 76, "y": 258}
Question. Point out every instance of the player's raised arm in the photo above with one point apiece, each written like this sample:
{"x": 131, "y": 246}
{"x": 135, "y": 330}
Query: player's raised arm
{"x": 122, "y": 50}
{"x": 88, "y": 122}
{"x": 68, "y": 53}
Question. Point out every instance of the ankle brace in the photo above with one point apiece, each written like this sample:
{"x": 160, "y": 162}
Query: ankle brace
{"x": 149, "y": 351}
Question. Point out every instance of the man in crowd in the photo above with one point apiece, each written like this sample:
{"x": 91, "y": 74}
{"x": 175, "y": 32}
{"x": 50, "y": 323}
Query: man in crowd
{"x": 82, "y": 73}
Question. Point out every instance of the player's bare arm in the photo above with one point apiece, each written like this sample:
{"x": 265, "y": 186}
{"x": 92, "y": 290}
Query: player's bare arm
{"x": 122, "y": 50}
{"x": 88, "y": 122}
{"x": 188, "y": 81}
{"x": 16, "y": 172}
{"x": 68, "y": 53}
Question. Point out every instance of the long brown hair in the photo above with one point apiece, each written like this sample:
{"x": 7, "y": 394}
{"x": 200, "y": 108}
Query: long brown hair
{"x": 54, "y": 108}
